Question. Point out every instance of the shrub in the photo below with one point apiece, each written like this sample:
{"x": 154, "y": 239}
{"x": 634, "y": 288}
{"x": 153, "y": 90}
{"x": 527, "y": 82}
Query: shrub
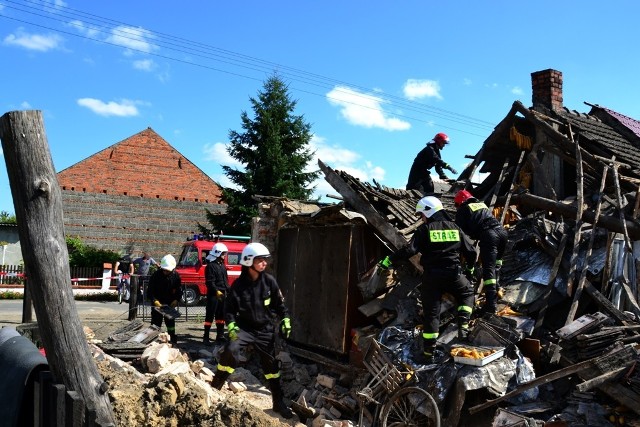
{"x": 81, "y": 255}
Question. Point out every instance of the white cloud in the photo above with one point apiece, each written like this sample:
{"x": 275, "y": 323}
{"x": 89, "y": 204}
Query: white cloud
{"x": 24, "y": 105}
{"x": 466, "y": 82}
{"x": 134, "y": 38}
{"x": 516, "y": 90}
{"x": 125, "y": 108}
{"x": 362, "y": 109}
{"x": 91, "y": 32}
{"x": 343, "y": 159}
{"x": 217, "y": 152}
{"x": 38, "y": 42}
{"x": 417, "y": 89}
{"x": 144, "y": 64}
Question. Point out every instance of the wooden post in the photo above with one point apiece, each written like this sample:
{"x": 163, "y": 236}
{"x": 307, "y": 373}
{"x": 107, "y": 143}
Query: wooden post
{"x": 513, "y": 181}
{"x": 37, "y": 200}
{"x": 577, "y": 233}
{"x": 585, "y": 264}
{"x": 496, "y": 189}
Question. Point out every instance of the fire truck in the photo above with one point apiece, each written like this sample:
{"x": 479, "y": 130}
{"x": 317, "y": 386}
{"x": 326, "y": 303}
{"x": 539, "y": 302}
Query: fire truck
{"x": 192, "y": 263}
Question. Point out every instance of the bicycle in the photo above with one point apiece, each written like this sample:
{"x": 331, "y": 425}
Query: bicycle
{"x": 124, "y": 288}
{"x": 398, "y": 401}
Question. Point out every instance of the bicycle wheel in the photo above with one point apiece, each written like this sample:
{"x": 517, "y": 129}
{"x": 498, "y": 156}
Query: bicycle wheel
{"x": 120, "y": 292}
{"x": 410, "y": 407}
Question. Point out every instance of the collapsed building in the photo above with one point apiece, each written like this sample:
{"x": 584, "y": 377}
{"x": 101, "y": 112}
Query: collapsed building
{"x": 566, "y": 186}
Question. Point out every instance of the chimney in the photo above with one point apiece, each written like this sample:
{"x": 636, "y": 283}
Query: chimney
{"x": 546, "y": 88}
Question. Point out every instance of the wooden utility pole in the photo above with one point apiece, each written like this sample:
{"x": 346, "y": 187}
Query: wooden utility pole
{"x": 37, "y": 200}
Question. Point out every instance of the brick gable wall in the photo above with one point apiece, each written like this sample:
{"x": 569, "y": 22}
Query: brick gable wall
{"x": 138, "y": 194}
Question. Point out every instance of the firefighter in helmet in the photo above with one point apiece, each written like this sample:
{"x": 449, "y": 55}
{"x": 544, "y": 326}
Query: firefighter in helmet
{"x": 427, "y": 158}
{"x": 217, "y": 282}
{"x": 441, "y": 243}
{"x": 165, "y": 288}
{"x": 476, "y": 220}
{"x": 250, "y": 306}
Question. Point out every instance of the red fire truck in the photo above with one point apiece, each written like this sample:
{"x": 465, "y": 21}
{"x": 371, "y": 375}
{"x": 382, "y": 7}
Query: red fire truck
{"x": 191, "y": 263}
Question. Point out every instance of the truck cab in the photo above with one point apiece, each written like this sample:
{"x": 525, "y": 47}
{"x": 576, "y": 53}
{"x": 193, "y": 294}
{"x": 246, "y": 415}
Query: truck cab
{"x": 192, "y": 262}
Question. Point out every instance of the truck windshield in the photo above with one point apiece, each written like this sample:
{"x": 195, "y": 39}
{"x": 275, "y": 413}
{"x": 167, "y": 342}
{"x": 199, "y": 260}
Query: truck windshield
{"x": 189, "y": 256}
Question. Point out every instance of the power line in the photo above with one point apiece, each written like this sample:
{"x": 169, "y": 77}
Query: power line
{"x": 108, "y": 27}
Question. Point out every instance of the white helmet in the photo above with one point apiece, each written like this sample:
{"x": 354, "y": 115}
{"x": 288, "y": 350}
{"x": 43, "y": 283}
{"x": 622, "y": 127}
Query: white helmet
{"x": 218, "y": 249}
{"x": 251, "y": 251}
{"x": 428, "y": 206}
{"x": 168, "y": 262}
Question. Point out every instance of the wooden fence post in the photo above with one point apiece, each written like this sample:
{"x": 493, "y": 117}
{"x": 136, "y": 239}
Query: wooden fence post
{"x": 37, "y": 199}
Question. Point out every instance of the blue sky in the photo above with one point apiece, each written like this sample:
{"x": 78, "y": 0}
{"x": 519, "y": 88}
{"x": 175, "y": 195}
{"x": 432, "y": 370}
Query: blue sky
{"x": 376, "y": 80}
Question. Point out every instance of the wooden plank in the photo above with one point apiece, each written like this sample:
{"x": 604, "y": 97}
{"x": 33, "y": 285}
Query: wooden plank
{"x": 573, "y": 263}
{"x": 601, "y": 379}
{"x": 513, "y": 181}
{"x": 58, "y": 393}
{"x": 544, "y": 379}
{"x": 395, "y": 239}
{"x": 606, "y": 305}
{"x": 552, "y": 279}
{"x": 496, "y": 188}
{"x": 585, "y": 264}
{"x": 74, "y": 408}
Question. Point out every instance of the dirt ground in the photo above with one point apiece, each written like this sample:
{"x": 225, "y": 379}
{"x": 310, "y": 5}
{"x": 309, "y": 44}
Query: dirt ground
{"x": 181, "y": 400}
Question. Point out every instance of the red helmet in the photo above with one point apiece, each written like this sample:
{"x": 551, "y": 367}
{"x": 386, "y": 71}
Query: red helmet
{"x": 461, "y": 197}
{"x": 441, "y": 137}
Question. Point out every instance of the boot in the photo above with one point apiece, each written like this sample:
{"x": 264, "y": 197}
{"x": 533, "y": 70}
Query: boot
{"x": 220, "y": 339}
{"x": 278, "y": 402}
{"x": 205, "y": 337}
{"x": 173, "y": 339}
{"x": 491, "y": 300}
{"x": 219, "y": 378}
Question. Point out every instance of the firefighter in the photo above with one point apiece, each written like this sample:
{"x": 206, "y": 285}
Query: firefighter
{"x": 165, "y": 289}
{"x": 427, "y": 158}
{"x": 250, "y": 306}
{"x": 440, "y": 242}
{"x": 215, "y": 277}
{"x": 477, "y": 221}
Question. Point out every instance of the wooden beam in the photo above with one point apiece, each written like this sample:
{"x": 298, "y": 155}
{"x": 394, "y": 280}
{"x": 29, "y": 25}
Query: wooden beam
{"x": 377, "y": 221}
{"x": 550, "y": 284}
{"x": 579, "y": 223}
{"x": 609, "y": 223}
{"x": 513, "y": 181}
{"x": 585, "y": 264}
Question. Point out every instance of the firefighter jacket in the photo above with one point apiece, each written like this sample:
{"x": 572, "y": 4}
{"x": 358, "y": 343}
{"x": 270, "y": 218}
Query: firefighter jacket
{"x": 165, "y": 288}
{"x": 215, "y": 277}
{"x": 474, "y": 217}
{"x": 427, "y": 158}
{"x": 440, "y": 241}
{"x": 253, "y": 304}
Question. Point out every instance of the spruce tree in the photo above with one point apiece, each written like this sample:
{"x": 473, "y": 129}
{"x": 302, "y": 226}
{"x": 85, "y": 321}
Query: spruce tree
{"x": 274, "y": 149}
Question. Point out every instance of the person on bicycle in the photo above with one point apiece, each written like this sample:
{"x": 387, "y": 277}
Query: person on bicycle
{"x": 251, "y": 304}
{"x": 123, "y": 270}
{"x": 141, "y": 266}
{"x": 440, "y": 242}
{"x": 477, "y": 221}
{"x": 165, "y": 288}
{"x": 215, "y": 277}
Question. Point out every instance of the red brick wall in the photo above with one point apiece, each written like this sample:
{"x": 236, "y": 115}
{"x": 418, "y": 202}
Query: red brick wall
{"x": 143, "y": 165}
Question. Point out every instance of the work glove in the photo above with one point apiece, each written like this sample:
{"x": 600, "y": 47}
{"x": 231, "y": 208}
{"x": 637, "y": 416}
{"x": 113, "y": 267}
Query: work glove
{"x": 384, "y": 263}
{"x": 285, "y": 327}
{"x": 157, "y": 303}
{"x": 219, "y": 294}
{"x": 468, "y": 272}
{"x": 448, "y": 166}
{"x": 233, "y": 330}
{"x": 174, "y": 303}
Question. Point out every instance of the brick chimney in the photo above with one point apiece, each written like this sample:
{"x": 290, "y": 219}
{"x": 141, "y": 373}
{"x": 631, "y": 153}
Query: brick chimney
{"x": 546, "y": 88}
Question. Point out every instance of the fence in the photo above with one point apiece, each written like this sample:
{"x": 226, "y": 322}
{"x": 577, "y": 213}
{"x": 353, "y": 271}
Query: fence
{"x": 86, "y": 276}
